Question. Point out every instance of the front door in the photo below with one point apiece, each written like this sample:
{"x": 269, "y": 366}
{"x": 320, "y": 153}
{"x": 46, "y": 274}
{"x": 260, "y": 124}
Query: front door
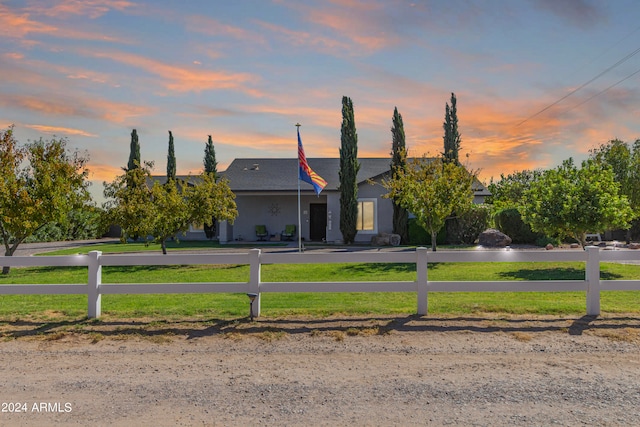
{"x": 317, "y": 221}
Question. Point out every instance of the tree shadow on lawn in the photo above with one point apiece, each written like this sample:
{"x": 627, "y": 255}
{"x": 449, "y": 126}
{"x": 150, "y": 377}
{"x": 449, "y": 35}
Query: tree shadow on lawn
{"x": 563, "y": 273}
{"x": 380, "y": 268}
{"x": 166, "y": 330}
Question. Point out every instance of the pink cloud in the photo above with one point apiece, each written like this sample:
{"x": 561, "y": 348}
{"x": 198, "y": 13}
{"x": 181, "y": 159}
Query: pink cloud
{"x": 213, "y": 27}
{"x": 61, "y": 131}
{"x": 115, "y": 112}
{"x": 305, "y": 39}
{"x": 20, "y": 25}
{"x": 103, "y": 172}
{"x": 184, "y": 79}
{"x": 91, "y": 8}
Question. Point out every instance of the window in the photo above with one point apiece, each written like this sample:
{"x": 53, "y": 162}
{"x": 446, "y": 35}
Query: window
{"x": 366, "y": 220}
{"x": 196, "y": 227}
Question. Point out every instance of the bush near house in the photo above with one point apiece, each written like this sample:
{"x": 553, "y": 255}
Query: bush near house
{"x": 465, "y": 228}
{"x": 510, "y": 222}
{"x": 419, "y": 236}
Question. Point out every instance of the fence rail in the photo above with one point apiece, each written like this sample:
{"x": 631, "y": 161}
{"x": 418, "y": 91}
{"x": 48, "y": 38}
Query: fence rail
{"x": 421, "y": 257}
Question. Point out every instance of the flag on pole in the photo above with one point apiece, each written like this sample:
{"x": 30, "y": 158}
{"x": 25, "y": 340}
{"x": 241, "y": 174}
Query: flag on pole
{"x": 305, "y": 173}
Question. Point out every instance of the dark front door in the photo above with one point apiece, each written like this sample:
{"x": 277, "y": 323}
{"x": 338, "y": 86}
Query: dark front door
{"x": 317, "y": 221}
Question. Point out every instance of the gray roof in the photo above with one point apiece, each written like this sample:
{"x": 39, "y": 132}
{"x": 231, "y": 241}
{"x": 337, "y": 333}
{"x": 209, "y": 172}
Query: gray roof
{"x": 268, "y": 174}
{"x": 282, "y": 174}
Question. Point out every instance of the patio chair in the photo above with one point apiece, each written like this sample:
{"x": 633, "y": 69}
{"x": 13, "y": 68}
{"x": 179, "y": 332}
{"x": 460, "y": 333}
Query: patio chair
{"x": 289, "y": 232}
{"x": 261, "y": 232}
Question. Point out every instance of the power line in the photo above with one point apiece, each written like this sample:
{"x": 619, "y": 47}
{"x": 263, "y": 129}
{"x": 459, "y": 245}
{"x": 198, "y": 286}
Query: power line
{"x": 621, "y": 61}
{"x": 601, "y": 92}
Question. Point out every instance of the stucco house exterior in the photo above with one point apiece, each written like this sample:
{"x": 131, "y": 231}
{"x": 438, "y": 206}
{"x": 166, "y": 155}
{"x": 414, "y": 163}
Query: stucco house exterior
{"x": 266, "y": 192}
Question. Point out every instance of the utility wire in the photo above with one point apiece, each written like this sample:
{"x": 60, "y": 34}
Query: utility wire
{"x": 601, "y": 92}
{"x": 621, "y": 61}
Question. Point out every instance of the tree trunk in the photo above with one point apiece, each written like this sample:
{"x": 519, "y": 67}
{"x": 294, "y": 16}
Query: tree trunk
{"x": 434, "y": 236}
{"x": 6, "y": 269}
{"x": 164, "y": 247}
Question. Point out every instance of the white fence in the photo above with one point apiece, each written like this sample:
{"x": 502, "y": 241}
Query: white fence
{"x": 94, "y": 261}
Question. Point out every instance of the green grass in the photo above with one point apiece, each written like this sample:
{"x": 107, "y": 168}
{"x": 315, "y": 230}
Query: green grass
{"x": 313, "y": 304}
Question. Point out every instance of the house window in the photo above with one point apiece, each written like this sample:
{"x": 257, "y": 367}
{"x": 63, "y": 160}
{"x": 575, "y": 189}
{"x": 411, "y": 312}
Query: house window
{"x": 366, "y": 220}
{"x": 196, "y": 227}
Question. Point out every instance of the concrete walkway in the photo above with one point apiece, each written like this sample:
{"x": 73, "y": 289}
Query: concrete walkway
{"x": 27, "y": 249}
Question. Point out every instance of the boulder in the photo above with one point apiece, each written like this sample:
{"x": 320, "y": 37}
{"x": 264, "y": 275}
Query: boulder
{"x": 385, "y": 239}
{"x": 394, "y": 239}
{"x": 634, "y": 246}
{"x": 494, "y": 238}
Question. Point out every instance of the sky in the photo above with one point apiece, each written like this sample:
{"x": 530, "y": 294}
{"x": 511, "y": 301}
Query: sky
{"x": 536, "y": 81}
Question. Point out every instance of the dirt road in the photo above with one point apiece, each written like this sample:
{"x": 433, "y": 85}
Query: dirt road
{"x": 330, "y": 372}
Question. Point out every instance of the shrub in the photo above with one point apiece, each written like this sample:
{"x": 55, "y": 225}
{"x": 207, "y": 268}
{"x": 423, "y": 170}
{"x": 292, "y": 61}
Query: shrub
{"x": 543, "y": 241}
{"x": 420, "y": 236}
{"x": 510, "y": 223}
{"x": 467, "y": 227}
{"x": 81, "y": 224}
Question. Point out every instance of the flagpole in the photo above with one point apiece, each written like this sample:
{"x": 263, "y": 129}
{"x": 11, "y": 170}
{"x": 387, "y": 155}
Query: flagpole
{"x": 298, "y": 179}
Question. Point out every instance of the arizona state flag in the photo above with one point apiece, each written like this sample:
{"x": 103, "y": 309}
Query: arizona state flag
{"x": 305, "y": 173}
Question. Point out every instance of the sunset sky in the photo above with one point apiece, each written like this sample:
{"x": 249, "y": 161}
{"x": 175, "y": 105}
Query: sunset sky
{"x": 537, "y": 81}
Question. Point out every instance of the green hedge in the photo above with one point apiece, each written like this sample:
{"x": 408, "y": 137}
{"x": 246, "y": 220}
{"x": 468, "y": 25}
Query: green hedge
{"x": 420, "y": 236}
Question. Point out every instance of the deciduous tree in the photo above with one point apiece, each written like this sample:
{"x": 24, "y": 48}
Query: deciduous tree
{"x": 624, "y": 160}
{"x": 569, "y": 201}
{"x": 432, "y": 190}
{"x": 161, "y": 212}
{"x": 42, "y": 182}
{"x": 508, "y": 192}
{"x": 129, "y": 202}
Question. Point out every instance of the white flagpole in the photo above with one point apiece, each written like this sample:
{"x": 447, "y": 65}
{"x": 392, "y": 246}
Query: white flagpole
{"x": 298, "y": 179}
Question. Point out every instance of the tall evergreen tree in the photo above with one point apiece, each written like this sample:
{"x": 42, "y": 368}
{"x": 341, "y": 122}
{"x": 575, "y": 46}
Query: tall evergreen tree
{"x": 349, "y": 167}
{"x": 210, "y": 163}
{"x": 451, "y": 134}
{"x": 210, "y": 167}
{"x": 399, "y": 163}
{"x": 134, "y": 153}
{"x": 171, "y": 160}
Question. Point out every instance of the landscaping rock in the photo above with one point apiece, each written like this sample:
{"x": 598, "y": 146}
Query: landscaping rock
{"x": 494, "y": 238}
{"x": 385, "y": 239}
{"x": 633, "y": 246}
{"x": 549, "y": 246}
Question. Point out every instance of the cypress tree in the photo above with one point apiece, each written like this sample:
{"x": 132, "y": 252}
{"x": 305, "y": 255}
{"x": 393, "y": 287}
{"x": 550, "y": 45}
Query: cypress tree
{"x": 451, "y": 134}
{"x": 349, "y": 167}
{"x": 398, "y": 163}
{"x": 171, "y": 160}
{"x": 210, "y": 163}
{"x": 210, "y": 166}
{"x": 134, "y": 154}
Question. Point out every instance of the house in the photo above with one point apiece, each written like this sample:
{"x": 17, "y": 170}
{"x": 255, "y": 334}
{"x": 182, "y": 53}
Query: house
{"x": 266, "y": 192}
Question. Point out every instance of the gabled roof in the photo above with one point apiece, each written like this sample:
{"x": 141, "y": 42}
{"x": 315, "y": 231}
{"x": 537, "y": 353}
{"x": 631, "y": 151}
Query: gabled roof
{"x": 282, "y": 174}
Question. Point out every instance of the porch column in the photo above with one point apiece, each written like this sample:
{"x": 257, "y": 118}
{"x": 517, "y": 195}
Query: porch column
{"x": 223, "y": 232}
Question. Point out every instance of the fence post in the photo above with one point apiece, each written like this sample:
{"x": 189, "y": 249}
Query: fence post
{"x": 95, "y": 280}
{"x": 254, "y": 280}
{"x": 592, "y": 277}
{"x": 422, "y": 280}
